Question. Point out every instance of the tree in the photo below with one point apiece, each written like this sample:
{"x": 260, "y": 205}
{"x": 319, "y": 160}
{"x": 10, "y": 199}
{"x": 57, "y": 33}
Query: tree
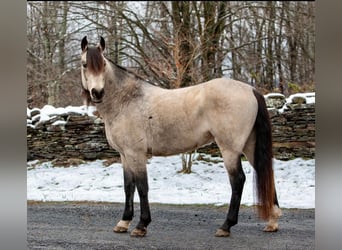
{"x": 47, "y": 36}
{"x": 214, "y": 22}
{"x": 183, "y": 44}
{"x": 270, "y": 45}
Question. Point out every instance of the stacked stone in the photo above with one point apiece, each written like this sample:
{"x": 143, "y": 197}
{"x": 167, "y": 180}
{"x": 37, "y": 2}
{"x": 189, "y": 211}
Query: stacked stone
{"x": 68, "y": 136}
{"x": 293, "y": 130}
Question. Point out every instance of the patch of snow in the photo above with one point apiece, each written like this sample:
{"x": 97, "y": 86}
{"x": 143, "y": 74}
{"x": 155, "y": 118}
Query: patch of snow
{"x": 56, "y": 123}
{"x": 274, "y": 95}
{"x": 208, "y": 184}
{"x": 48, "y": 112}
{"x": 309, "y": 97}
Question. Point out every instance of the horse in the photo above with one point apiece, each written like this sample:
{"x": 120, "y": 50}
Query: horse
{"x": 143, "y": 120}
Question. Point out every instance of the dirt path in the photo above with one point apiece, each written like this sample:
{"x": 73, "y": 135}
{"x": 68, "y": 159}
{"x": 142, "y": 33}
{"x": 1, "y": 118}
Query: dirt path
{"x": 89, "y": 226}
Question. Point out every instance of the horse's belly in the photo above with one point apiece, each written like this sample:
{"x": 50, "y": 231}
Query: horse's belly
{"x": 176, "y": 144}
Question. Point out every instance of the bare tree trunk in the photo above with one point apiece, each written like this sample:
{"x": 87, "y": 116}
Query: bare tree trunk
{"x": 232, "y": 43}
{"x": 214, "y": 22}
{"x": 258, "y": 72}
{"x": 48, "y": 21}
{"x": 61, "y": 52}
{"x": 269, "y": 48}
{"x": 278, "y": 42}
{"x": 62, "y": 36}
{"x": 292, "y": 43}
{"x": 187, "y": 160}
{"x": 183, "y": 48}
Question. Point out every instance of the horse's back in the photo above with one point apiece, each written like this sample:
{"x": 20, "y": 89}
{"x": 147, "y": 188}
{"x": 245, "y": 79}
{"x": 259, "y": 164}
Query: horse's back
{"x": 228, "y": 87}
{"x": 229, "y": 95}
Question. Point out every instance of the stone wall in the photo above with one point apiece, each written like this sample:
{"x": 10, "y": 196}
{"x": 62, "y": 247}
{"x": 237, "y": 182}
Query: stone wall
{"x": 293, "y": 132}
{"x": 78, "y": 136}
{"x": 72, "y": 135}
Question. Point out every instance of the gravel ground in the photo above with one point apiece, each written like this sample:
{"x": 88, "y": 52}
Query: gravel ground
{"x": 71, "y": 225}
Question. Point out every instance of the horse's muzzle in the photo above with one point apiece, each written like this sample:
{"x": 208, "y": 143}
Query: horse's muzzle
{"x": 97, "y": 95}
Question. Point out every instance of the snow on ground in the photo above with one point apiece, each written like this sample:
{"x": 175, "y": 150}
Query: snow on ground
{"x": 208, "y": 184}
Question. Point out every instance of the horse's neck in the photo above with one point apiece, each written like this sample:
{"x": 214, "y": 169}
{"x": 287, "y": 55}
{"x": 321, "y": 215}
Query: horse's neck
{"x": 121, "y": 88}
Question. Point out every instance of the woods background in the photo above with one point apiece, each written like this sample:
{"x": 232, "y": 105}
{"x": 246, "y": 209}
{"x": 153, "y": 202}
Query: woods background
{"x": 270, "y": 45}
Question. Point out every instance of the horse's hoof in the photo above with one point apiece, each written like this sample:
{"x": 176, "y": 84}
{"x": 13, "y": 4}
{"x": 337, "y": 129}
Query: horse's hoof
{"x": 137, "y": 232}
{"x": 271, "y": 228}
{"x": 122, "y": 226}
{"x": 118, "y": 229}
{"x": 222, "y": 233}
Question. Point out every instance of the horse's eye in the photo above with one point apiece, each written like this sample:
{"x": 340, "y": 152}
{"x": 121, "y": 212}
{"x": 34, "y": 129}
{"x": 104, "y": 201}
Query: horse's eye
{"x": 84, "y": 65}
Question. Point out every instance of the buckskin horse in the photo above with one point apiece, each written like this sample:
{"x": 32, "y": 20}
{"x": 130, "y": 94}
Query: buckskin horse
{"x": 142, "y": 120}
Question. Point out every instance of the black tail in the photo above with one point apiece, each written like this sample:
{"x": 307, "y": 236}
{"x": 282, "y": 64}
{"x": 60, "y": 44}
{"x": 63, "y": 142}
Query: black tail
{"x": 263, "y": 158}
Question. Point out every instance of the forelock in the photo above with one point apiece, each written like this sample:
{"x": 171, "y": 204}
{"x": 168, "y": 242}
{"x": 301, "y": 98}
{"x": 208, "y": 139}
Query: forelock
{"x": 95, "y": 59}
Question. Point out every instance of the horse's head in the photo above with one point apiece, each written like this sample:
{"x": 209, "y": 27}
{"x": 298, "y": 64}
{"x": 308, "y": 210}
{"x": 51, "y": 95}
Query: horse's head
{"x": 93, "y": 70}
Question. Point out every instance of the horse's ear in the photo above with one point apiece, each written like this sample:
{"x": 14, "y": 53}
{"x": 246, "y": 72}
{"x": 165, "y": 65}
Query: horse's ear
{"x": 102, "y": 43}
{"x": 84, "y": 43}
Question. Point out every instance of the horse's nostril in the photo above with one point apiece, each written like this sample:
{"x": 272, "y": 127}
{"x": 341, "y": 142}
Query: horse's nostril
{"x": 97, "y": 94}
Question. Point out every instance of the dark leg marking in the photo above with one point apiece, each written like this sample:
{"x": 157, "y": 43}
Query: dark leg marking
{"x": 129, "y": 187}
{"x": 237, "y": 181}
{"x": 145, "y": 214}
{"x": 129, "y": 183}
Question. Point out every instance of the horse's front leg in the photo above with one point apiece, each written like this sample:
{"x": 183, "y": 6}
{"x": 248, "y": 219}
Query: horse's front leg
{"x": 129, "y": 186}
{"x": 145, "y": 214}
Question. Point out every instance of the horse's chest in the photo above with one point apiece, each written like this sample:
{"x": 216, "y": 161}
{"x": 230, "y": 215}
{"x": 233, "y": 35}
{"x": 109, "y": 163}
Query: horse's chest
{"x": 113, "y": 134}
{"x": 125, "y": 133}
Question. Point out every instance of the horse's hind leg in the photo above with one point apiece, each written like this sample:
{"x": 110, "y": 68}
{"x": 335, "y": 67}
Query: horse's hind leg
{"x": 272, "y": 224}
{"x": 237, "y": 179}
